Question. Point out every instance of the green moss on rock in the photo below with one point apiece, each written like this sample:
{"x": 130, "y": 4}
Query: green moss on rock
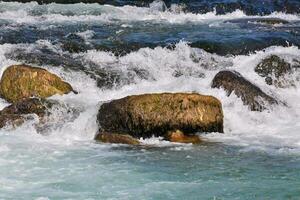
{"x": 156, "y": 114}
{"x": 22, "y": 81}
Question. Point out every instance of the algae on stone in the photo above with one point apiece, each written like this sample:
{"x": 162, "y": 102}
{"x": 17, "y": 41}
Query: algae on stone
{"x": 22, "y": 81}
{"x": 156, "y": 114}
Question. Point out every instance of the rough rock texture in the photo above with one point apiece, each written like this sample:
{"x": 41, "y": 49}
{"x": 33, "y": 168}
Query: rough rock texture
{"x": 251, "y": 95}
{"x": 22, "y": 81}
{"x": 180, "y": 137}
{"x": 15, "y": 114}
{"x": 267, "y": 21}
{"x": 156, "y": 114}
{"x": 274, "y": 69}
{"x": 116, "y": 138}
{"x": 271, "y": 21}
{"x": 51, "y": 114}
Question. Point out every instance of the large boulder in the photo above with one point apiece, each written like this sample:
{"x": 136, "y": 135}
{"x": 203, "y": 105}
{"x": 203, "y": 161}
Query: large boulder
{"x": 157, "y": 114}
{"x": 251, "y": 95}
{"x": 22, "y": 81}
{"x": 274, "y": 69}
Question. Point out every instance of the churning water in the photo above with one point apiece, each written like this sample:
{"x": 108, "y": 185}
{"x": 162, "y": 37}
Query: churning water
{"x": 108, "y": 52}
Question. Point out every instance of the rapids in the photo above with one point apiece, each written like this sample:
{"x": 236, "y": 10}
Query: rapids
{"x": 111, "y": 51}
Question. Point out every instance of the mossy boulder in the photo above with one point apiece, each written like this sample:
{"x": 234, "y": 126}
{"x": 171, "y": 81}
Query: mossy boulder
{"x": 117, "y": 138}
{"x": 250, "y": 94}
{"x": 157, "y": 114}
{"x": 274, "y": 70}
{"x": 22, "y": 81}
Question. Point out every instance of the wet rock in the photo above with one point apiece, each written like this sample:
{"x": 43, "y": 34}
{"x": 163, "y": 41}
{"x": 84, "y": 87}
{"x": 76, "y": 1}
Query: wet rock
{"x": 238, "y": 46}
{"x": 157, "y": 114}
{"x": 180, "y": 137}
{"x": 271, "y": 21}
{"x": 106, "y": 77}
{"x": 22, "y": 81}
{"x": 17, "y": 113}
{"x": 45, "y": 57}
{"x": 267, "y": 21}
{"x": 274, "y": 69}
{"x": 73, "y": 43}
{"x": 251, "y": 95}
{"x": 74, "y": 47}
{"x": 116, "y": 138}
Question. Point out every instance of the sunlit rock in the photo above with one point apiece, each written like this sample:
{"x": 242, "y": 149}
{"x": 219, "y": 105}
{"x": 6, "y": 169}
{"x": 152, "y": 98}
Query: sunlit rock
{"x": 157, "y": 114}
{"x": 180, "y": 137}
{"x": 22, "y": 81}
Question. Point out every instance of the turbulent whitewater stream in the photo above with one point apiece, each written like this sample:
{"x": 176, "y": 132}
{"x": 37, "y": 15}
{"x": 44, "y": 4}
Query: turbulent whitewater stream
{"x": 118, "y": 48}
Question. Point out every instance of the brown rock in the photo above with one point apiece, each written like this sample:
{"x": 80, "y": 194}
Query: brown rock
{"x": 156, "y": 114}
{"x": 116, "y": 138}
{"x": 180, "y": 137}
{"x": 22, "y": 81}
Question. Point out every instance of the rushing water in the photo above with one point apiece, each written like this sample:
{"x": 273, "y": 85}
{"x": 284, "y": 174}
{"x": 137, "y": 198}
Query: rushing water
{"x": 119, "y": 49}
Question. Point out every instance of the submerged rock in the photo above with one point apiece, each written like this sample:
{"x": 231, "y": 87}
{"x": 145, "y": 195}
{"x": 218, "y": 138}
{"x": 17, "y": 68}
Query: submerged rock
{"x": 22, "y": 81}
{"x": 267, "y": 21}
{"x": 117, "y": 138}
{"x": 274, "y": 69}
{"x": 271, "y": 21}
{"x": 157, "y": 114}
{"x": 251, "y": 95}
{"x": 180, "y": 137}
{"x": 17, "y": 113}
{"x": 107, "y": 77}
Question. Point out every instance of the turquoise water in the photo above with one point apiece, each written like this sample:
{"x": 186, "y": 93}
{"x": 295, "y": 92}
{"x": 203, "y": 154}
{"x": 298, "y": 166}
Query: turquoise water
{"x": 108, "y": 52}
{"x": 87, "y": 170}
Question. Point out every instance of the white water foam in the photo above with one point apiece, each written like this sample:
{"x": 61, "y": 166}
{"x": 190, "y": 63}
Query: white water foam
{"x": 32, "y": 13}
{"x": 276, "y": 129}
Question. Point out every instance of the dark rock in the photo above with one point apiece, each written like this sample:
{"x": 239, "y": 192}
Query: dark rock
{"x": 251, "y": 95}
{"x": 268, "y": 21}
{"x": 74, "y": 47}
{"x": 116, "y": 138}
{"x": 16, "y": 113}
{"x": 157, "y": 114}
{"x": 106, "y": 77}
{"x": 274, "y": 69}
